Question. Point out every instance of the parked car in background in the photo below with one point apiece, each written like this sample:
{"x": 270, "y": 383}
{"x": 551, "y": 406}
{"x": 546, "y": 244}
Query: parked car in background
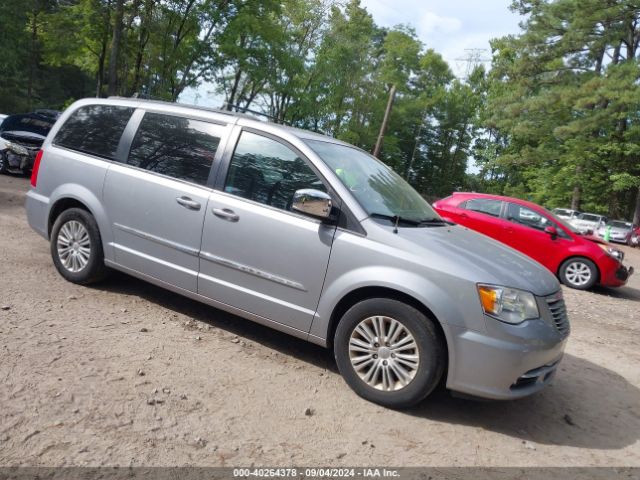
{"x": 21, "y": 137}
{"x": 303, "y": 233}
{"x": 48, "y": 112}
{"x": 565, "y": 213}
{"x": 580, "y": 261}
{"x": 619, "y": 231}
{"x": 2, "y": 117}
{"x": 634, "y": 237}
{"x": 588, "y": 222}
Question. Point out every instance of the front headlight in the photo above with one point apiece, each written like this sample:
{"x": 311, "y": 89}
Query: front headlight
{"x": 615, "y": 253}
{"x": 18, "y": 149}
{"x": 508, "y": 304}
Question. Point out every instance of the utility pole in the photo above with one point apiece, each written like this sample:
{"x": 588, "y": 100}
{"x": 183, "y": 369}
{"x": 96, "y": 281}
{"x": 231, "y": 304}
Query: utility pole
{"x": 385, "y": 121}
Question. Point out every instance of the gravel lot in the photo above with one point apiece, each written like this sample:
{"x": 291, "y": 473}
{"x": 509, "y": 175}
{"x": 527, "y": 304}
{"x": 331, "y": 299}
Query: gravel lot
{"x": 125, "y": 373}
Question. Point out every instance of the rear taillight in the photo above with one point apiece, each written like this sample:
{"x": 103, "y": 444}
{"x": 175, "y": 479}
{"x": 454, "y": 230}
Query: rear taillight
{"x": 36, "y": 167}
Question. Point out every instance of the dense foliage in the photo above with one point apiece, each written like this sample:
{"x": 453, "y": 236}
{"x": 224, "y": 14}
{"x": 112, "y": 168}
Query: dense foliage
{"x": 555, "y": 118}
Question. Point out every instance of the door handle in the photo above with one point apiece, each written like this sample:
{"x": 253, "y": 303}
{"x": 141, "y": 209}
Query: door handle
{"x": 188, "y": 203}
{"x": 226, "y": 214}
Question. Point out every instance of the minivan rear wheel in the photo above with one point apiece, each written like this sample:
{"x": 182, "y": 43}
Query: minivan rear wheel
{"x": 579, "y": 273}
{"x": 389, "y": 352}
{"x": 76, "y": 247}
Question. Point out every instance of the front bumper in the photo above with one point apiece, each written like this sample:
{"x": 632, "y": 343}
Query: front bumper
{"x": 506, "y": 362}
{"x": 613, "y": 273}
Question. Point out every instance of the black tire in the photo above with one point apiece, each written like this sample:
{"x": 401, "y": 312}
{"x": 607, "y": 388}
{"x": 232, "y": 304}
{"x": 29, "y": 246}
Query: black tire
{"x": 571, "y": 281}
{"x": 430, "y": 346}
{"x": 94, "y": 270}
{"x": 4, "y": 163}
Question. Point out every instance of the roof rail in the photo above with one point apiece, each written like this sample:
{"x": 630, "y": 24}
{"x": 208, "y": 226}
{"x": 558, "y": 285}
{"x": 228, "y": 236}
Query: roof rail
{"x": 146, "y": 98}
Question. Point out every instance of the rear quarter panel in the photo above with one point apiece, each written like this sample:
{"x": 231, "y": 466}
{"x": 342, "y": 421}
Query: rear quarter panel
{"x": 66, "y": 174}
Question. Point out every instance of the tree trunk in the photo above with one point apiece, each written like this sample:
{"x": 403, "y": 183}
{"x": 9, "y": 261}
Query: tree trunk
{"x": 143, "y": 38}
{"x": 100, "y": 75}
{"x": 115, "y": 48}
{"x": 33, "y": 61}
{"x": 576, "y": 197}
{"x": 636, "y": 212}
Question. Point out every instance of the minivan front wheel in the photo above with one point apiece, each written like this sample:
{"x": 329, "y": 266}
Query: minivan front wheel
{"x": 76, "y": 247}
{"x": 579, "y": 273}
{"x": 389, "y": 352}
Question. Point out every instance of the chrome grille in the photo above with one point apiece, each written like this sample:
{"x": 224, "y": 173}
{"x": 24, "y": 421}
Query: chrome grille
{"x": 558, "y": 311}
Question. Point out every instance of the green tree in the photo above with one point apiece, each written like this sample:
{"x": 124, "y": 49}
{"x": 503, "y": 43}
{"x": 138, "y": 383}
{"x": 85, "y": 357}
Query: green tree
{"x": 565, "y": 93}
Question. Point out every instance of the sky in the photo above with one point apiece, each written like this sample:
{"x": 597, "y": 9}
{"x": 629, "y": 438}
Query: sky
{"x": 450, "y": 27}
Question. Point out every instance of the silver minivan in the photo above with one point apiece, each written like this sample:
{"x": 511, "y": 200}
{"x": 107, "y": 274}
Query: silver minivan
{"x": 300, "y": 232}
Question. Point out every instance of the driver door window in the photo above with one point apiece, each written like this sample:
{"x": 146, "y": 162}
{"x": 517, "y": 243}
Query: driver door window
{"x": 268, "y": 172}
{"x": 527, "y": 217}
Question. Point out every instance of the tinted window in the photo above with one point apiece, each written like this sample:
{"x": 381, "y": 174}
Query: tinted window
{"x": 484, "y": 205}
{"x": 94, "y": 129}
{"x": 175, "y": 146}
{"x": 268, "y": 172}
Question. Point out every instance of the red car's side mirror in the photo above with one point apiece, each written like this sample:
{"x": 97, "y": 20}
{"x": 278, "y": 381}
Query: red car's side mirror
{"x": 551, "y": 231}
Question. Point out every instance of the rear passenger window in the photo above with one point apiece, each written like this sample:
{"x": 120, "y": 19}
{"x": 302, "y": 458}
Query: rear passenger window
{"x": 94, "y": 129}
{"x": 268, "y": 172}
{"x": 484, "y": 205}
{"x": 176, "y": 147}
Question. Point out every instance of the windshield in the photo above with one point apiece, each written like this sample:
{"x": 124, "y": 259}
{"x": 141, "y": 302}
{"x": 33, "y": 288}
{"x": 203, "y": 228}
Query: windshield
{"x": 619, "y": 224}
{"x": 588, "y": 218}
{"x": 378, "y": 189}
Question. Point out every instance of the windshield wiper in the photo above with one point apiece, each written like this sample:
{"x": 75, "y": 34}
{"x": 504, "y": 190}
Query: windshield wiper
{"x": 397, "y": 219}
{"x": 434, "y": 222}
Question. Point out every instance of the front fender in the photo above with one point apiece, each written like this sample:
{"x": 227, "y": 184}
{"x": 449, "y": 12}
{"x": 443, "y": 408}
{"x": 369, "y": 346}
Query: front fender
{"x": 444, "y": 306}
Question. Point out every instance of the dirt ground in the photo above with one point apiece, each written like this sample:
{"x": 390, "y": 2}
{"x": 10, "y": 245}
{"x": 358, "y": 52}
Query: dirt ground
{"x": 125, "y": 373}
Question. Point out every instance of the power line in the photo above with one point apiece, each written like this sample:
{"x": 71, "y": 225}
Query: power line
{"x": 473, "y": 58}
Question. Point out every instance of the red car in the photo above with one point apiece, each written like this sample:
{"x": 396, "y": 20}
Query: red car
{"x": 579, "y": 261}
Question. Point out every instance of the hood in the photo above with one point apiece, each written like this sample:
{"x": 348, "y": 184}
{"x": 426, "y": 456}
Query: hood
{"x": 22, "y": 135}
{"x": 594, "y": 239}
{"x": 460, "y": 251}
{"x": 619, "y": 230}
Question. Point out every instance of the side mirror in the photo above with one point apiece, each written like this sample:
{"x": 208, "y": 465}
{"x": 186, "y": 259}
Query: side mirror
{"x": 312, "y": 202}
{"x": 551, "y": 230}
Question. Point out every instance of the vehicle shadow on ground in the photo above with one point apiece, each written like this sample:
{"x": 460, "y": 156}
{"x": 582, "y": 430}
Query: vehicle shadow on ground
{"x": 626, "y": 292}
{"x": 587, "y": 405}
{"x": 286, "y": 344}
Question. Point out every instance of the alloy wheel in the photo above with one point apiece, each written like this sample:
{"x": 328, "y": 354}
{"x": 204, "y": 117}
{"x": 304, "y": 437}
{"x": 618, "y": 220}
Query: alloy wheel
{"x": 384, "y": 353}
{"x": 578, "y": 273}
{"x": 73, "y": 246}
